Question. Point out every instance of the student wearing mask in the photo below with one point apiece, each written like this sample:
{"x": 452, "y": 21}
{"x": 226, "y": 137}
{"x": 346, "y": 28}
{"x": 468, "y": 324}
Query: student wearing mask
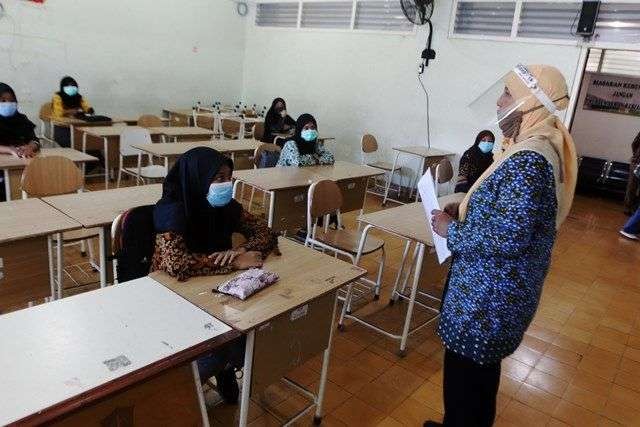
{"x": 277, "y": 120}
{"x": 194, "y": 221}
{"x": 67, "y": 103}
{"x": 304, "y": 149}
{"x": 475, "y": 161}
{"x": 501, "y": 237}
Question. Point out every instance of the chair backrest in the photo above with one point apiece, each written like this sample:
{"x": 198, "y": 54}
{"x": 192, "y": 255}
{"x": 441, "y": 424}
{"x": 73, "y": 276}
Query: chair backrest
{"x": 50, "y": 176}
{"x": 205, "y": 121}
{"x": 149, "y": 121}
{"x": 266, "y": 155}
{"x": 369, "y": 143}
{"x": 46, "y": 111}
{"x": 324, "y": 198}
{"x": 230, "y": 126}
{"x": 444, "y": 171}
{"x": 133, "y": 241}
{"x": 133, "y": 135}
{"x": 250, "y": 113}
{"x": 258, "y": 131}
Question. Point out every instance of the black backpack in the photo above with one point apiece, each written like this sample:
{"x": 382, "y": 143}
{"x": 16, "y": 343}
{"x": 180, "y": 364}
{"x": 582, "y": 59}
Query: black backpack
{"x": 136, "y": 243}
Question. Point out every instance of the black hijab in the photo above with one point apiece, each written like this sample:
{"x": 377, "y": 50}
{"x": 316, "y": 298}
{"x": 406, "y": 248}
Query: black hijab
{"x": 304, "y": 147}
{"x": 474, "y": 162}
{"x": 274, "y": 122}
{"x": 184, "y": 209}
{"x": 17, "y": 129}
{"x": 69, "y": 101}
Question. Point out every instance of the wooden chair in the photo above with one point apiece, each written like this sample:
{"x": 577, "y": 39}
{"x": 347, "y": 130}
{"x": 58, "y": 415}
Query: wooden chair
{"x": 369, "y": 146}
{"x": 45, "y": 122}
{"x": 52, "y": 176}
{"x": 150, "y": 121}
{"x": 258, "y": 131}
{"x": 230, "y": 129}
{"x": 323, "y": 199}
{"x": 257, "y": 161}
{"x": 129, "y": 136}
{"x": 443, "y": 174}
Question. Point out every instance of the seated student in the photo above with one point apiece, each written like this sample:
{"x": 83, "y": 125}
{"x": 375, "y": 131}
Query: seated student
{"x": 17, "y": 136}
{"x": 67, "y": 103}
{"x": 277, "y": 120}
{"x": 304, "y": 148}
{"x": 475, "y": 161}
{"x": 195, "y": 219}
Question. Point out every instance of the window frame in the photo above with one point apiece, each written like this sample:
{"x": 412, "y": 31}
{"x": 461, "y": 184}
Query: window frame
{"x": 352, "y": 29}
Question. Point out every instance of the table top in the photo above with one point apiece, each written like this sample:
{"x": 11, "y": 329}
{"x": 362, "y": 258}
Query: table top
{"x": 279, "y": 178}
{"x": 179, "y": 111}
{"x": 107, "y": 131}
{"x": 173, "y": 149}
{"x": 21, "y": 219}
{"x": 408, "y": 221}
{"x": 100, "y": 208}
{"x": 422, "y": 151}
{"x": 180, "y": 131}
{"x": 69, "y": 352}
{"x": 305, "y": 274}
{"x": 13, "y": 162}
{"x": 244, "y": 119}
{"x": 66, "y": 121}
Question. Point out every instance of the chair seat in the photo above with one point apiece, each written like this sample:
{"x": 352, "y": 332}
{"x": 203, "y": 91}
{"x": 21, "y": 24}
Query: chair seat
{"x": 348, "y": 241}
{"x": 151, "y": 171}
{"x": 384, "y": 166}
{"x": 80, "y": 234}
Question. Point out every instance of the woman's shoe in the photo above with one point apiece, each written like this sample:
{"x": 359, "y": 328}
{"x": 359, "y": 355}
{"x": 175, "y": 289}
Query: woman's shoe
{"x": 227, "y": 386}
{"x": 629, "y": 235}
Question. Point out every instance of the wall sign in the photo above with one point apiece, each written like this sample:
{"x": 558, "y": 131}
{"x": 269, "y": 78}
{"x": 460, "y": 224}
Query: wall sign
{"x": 613, "y": 94}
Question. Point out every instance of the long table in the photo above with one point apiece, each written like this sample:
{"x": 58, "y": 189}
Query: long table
{"x": 288, "y": 186}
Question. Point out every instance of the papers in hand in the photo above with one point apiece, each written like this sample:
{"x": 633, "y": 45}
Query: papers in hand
{"x": 427, "y": 191}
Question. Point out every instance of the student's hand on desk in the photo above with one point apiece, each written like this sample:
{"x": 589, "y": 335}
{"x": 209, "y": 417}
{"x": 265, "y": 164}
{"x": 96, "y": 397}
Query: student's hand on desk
{"x": 452, "y": 210}
{"x": 251, "y": 259}
{"x": 28, "y": 151}
{"x": 226, "y": 257}
{"x": 440, "y": 222}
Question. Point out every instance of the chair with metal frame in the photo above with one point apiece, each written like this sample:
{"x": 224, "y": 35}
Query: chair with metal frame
{"x": 129, "y": 136}
{"x": 150, "y": 121}
{"x": 257, "y": 164}
{"x": 230, "y": 128}
{"x": 369, "y": 146}
{"x": 324, "y": 198}
{"x": 443, "y": 175}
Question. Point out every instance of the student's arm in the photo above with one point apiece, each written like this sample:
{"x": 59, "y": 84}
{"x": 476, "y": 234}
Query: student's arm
{"x": 8, "y": 149}
{"x": 462, "y": 184}
{"x": 57, "y": 108}
{"x": 289, "y": 155}
{"x": 506, "y": 227}
{"x": 259, "y": 236}
{"x": 86, "y": 107}
{"x": 324, "y": 156}
{"x": 173, "y": 257}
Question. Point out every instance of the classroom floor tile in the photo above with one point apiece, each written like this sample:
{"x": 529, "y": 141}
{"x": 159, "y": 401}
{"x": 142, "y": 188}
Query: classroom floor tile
{"x": 578, "y": 365}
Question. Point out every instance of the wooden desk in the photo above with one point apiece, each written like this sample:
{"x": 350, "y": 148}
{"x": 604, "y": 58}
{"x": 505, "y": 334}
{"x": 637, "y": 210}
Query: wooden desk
{"x": 182, "y": 132}
{"x": 287, "y": 323}
{"x": 13, "y": 166}
{"x": 242, "y": 120}
{"x": 171, "y": 151}
{"x": 408, "y": 222}
{"x": 427, "y": 156}
{"x": 26, "y": 263}
{"x": 73, "y": 124}
{"x": 99, "y": 209}
{"x": 288, "y": 188}
{"x": 179, "y": 116}
{"x": 114, "y": 356}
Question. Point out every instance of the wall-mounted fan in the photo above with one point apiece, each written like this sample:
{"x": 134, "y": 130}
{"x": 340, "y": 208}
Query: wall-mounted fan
{"x": 419, "y": 12}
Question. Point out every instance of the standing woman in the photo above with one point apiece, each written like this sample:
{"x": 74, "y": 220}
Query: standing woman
{"x": 475, "y": 161}
{"x": 501, "y": 242}
{"x": 277, "y": 120}
{"x": 304, "y": 149}
{"x": 67, "y": 103}
{"x": 632, "y": 198}
{"x": 17, "y": 136}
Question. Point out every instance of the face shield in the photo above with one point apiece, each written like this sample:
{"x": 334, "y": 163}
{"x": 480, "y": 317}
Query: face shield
{"x": 515, "y": 93}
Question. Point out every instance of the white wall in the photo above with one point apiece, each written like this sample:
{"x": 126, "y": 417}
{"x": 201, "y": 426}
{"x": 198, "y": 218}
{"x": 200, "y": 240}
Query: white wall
{"x": 600, "y": 134}
{"x": 128, "y": 56}
{"x": 355, "y": 83}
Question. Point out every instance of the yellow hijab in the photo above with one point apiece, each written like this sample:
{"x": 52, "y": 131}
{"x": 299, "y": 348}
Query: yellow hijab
{"x": 542, "y": 132}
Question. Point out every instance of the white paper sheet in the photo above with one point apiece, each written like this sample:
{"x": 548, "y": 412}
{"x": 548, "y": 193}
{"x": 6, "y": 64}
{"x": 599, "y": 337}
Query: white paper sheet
{"x": 429, "y": 198}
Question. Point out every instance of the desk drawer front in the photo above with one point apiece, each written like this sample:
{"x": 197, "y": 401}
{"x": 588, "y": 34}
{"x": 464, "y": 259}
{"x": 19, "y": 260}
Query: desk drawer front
{"x": 353, "y": 191}
{"x": 290, "y": 209}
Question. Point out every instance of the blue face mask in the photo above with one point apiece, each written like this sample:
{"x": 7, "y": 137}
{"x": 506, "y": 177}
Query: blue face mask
{"x": 220, "y": 194}
{"x": 70, "y": 90}
{"x": 485, "y": 146}
{"x": 309, "y": 135}
{"x": 8, "y": 109}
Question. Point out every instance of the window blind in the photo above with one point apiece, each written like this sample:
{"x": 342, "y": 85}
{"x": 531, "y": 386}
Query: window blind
{"x": 618, "y": 22}
{"x": 484, "y": 18}
{"x": 334, "y": 14}
{"x": 550, "y": 20}
{"x": 384, "y": 15}
{"x": 283, "y": 14}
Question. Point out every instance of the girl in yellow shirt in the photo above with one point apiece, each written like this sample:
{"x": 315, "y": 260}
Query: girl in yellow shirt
{"x": 67, "y": 103}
